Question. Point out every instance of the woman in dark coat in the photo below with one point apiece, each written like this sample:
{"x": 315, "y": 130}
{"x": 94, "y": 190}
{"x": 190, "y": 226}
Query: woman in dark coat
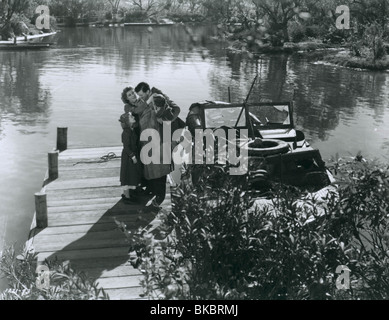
{"x": 130, "y": 169}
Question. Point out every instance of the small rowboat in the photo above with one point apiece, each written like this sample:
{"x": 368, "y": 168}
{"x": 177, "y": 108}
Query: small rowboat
{"x": 27, "y": 42}
{"x": 161, "y": 22}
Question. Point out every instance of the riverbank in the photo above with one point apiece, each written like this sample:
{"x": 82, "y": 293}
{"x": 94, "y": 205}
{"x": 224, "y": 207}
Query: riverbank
{"x": 340, "y": 55}
{"x": 288, "y": 47}
{"x": 345, "y": 59}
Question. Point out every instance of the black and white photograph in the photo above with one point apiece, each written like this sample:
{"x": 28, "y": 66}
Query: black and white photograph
{"x": 196, "y": 155}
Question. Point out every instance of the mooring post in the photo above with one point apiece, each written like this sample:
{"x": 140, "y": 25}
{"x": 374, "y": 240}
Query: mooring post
{"x": 62, "y": 139}
{"x": 53, "y": 165}
{"x": 41, "y": 210}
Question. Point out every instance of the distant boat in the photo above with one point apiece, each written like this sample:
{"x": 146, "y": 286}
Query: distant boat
{"x": 161, "y": 22}
{"x": 27, "y": 42}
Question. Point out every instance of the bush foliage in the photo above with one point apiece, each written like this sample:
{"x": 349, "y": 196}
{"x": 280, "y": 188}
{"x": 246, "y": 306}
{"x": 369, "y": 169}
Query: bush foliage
{"x": 219, "y": 243}
{"x": 65, "y": 283}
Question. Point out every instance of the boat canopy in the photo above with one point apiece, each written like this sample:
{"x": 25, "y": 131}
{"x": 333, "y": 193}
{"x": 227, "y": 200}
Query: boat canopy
{"x": 261, "y": 116}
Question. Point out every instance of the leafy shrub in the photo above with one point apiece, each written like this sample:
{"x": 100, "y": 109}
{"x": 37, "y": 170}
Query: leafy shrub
{"x": 296, "y": 31}
{"x": 314, "y": 31}
{"x": 186, "y": 17}
{"x": 135, "y": 16}
{"x": 363, "y": 210}
{"x": 65, "y": 282}
{"x": 374, "y": 40}
{"x": 217, "y": 245}
{"x": 335, "y": 36}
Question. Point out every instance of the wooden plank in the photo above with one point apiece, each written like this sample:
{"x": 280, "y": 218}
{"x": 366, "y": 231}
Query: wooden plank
{"x": 71, "y": 255}
{"x": 89, "y": 173}
{"x": 90, "y": 162}
{"x": 82, "y": 243}
{"x": 52, "y": 239}
{"x": 125, "y": 294}
{"x": 119, "y": 282}
{"x": 104, "y": 263}
{"x": 55, "y": 202}
{"x": 78, "y": 218}
{"x": 120, "y": 209}
{"x": 89, "y": 194}
{"x": 83, "y": 183}
{"x": 92, "y": 150}
{"x": 76, "y": 165}
{"x": 85, "y": 228}
{"x": 92, "y": 193}
{"x": 116, "y": 204}
{"x": 100, "y": 157}
{"x": 86, "y": 207}
{"x": 117, "y": 271}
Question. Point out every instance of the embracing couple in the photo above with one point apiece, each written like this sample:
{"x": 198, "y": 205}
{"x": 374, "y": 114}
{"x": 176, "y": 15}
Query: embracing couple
{"x": 145, "y": 108}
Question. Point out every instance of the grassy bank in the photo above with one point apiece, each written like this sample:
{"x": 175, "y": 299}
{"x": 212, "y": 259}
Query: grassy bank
{"x": 288, "y": 47}
{"x": 345, "y": 59}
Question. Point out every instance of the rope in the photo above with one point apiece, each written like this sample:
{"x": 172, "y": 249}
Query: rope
{"x": 105, "y": 158}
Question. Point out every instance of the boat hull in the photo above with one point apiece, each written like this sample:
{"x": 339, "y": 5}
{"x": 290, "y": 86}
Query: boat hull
{"x": 24, "y": 46}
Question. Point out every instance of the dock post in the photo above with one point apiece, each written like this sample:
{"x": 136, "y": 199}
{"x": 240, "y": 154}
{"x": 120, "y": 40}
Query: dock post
{"x": 62, "y": 139}
{"x": 41, "y": 210}
{"x": 53, "y": 165}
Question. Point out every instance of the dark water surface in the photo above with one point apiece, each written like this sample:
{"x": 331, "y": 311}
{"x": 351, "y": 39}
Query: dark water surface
{"x": 77, "y": 84}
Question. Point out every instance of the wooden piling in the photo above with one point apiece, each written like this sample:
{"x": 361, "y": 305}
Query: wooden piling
{"x": 62, "y": 139}
{"x": 41, "y": 210}
{"x": 53, "y": 165}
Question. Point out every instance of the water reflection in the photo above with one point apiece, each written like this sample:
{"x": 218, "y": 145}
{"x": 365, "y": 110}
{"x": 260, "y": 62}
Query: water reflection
{"x": 22, "y": 99}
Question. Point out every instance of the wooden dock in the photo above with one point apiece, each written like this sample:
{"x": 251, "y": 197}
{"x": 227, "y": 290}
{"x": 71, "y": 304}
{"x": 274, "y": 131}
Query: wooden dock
{"x": 82, "y": 203}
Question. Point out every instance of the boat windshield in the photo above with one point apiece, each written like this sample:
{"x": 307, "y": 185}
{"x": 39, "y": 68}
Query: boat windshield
{"x": 266, "y": 115}
{"x": 227, "y": 116}
{"x": 270, "y": 115}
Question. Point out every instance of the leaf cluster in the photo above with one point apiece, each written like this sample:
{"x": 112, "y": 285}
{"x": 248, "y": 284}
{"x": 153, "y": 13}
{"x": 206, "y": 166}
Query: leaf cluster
{"x": 65, "y": 283}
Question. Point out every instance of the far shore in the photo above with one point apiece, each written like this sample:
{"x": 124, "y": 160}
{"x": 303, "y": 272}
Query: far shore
{"x": 340, "y": 54}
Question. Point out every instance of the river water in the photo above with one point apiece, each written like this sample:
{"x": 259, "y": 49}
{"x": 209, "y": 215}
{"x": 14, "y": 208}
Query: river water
{"x": 77, "y": 84}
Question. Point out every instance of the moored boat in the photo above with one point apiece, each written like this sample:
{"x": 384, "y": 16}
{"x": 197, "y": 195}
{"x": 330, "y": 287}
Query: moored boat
{"x": 160, "y": 22}
{"x": 276, "y": 150}
{"x": 27, "y": 42}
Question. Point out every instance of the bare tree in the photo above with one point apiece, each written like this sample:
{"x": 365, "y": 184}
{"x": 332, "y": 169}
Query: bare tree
{"x": 278, "y": 13}
{"x": 9, "y": 7}
{"x": 145, "y": 5}
{"x": 114, "y": 6}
